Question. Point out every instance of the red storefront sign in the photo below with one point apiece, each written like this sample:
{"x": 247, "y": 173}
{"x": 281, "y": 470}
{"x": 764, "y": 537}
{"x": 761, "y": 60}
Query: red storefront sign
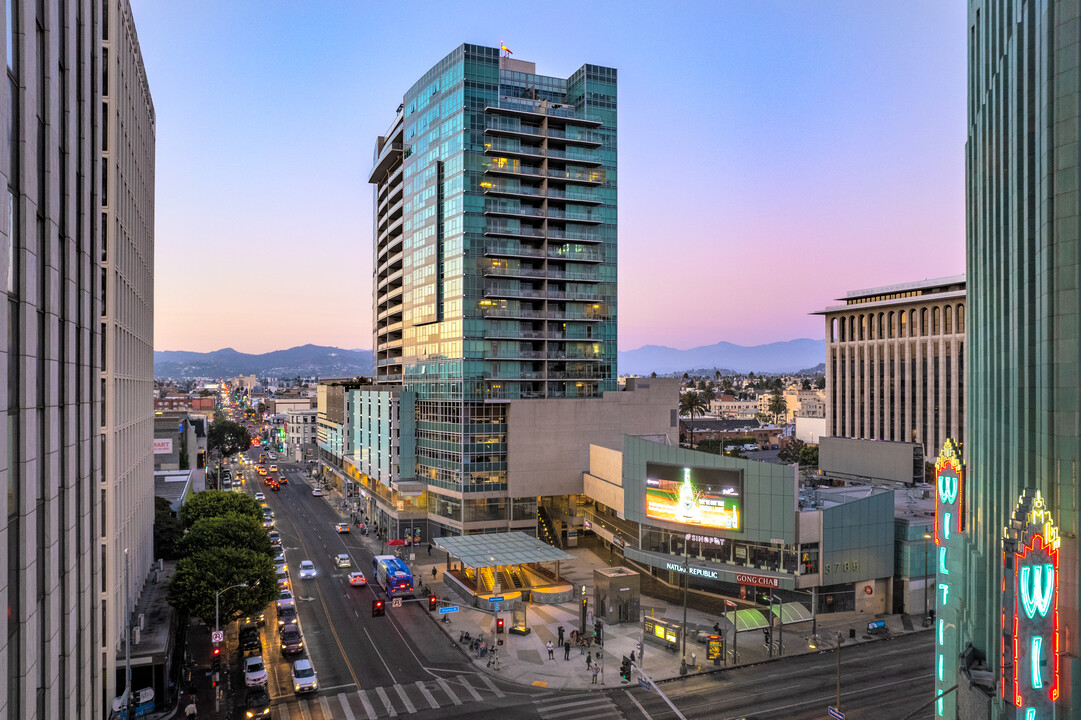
{"x": 759, "y": 580}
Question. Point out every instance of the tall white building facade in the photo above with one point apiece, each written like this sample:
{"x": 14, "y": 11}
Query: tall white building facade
{"x": 127, "y": 372}
{"x": 51, "y": 348}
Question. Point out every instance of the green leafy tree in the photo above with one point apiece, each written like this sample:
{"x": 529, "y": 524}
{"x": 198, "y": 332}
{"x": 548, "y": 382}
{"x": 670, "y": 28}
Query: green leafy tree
{"x": 218, "y": 503}
{"x": 711, "y": 445}
{"x": 200, "y": 576}
{"x": 805, "y": 384}
{"x": 726, "y": 385}
{"x": 777, "y": 406}
{"x": 820, "y": 382}
{"x": 791, "y": 451}
{"x": 228, "y": 438}
{"x": 231, "y": 530}
{"x": 709, "y": 394}
{"x": 692, "y": 404}
{"x": 167, "y": 530}
{"x": 808, "y": 456}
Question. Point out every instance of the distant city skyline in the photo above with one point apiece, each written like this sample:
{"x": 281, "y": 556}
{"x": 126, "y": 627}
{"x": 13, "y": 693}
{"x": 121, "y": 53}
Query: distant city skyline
{"x": 772, "y": 157}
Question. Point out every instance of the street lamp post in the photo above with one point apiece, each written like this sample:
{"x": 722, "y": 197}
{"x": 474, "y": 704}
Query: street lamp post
{"x": 926, "y": 537}
{"x": 780, "y": 624}
{"x": 839, "y": 639}
{"x": 686, "y": 587}
{"x": 217, "y": 613}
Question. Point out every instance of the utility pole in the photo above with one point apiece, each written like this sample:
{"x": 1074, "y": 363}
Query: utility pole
{"x": 130, "y": 709}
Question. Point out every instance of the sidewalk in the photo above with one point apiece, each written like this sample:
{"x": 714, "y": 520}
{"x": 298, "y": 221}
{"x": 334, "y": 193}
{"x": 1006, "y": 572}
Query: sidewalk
{"x": 524, "y": 659}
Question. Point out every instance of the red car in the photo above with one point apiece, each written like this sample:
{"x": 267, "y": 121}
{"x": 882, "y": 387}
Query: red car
{"x": 275, "y": 485}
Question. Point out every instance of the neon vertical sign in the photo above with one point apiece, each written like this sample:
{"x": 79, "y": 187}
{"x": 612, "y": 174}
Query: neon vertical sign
{"x": 949, "y": 475}
{"x": 1030, "y": 609}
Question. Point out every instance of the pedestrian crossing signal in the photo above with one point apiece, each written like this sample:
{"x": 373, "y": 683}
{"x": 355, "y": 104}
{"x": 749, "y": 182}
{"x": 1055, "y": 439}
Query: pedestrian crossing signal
{"x": 378, "y": 608}
{"x": 432, "y": 600}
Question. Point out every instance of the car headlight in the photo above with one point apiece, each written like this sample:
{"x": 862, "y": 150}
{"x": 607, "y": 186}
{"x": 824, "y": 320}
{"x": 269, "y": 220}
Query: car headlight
{"x": 296, "y": 688}
{"x": 250, "y": 714}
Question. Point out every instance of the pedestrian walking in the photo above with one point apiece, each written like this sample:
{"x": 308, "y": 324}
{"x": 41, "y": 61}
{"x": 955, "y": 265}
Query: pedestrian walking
{"x": 567, "y": 651}
{"x": 560, "y": 641}
{"x": 589, "y": 661}
{"x": 429, "y": 549}
{"x": 434, "y": 573}
{"x": 551, "y": 650}
{"x": 190, "y": 710}
{"x": 596, "y": 671}
{"x": 632, "y": 657}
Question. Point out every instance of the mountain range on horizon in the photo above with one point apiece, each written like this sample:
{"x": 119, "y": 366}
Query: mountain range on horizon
{"x": 323, "y": 361}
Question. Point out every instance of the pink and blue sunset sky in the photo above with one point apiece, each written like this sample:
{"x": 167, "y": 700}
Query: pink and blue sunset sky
{"x": 772, "y": 155}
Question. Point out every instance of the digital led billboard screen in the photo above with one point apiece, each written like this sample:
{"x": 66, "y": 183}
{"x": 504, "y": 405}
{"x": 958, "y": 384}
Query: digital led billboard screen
{"x": 695, "y": 496}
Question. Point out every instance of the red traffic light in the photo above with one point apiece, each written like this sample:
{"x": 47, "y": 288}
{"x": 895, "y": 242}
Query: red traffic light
{"x": 378, "y": 608}
{"x": 217, "y": 650}
{"x": 432, "y": 601}
{"x": 499, "y": 625}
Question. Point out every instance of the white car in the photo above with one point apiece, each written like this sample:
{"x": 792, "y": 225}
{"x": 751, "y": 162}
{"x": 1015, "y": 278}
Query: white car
{"x": 272, "y": 456}
{"x": 317, "y": 492}
{"x": 342, "y": 560}
{"x": 254, "y": 671}
{"x": 357, "y": 579}
{"x": 307, "y": 569}
{"x": 260, "y": 496}
{"x": 285, "y": 598}
{"x": 304, "y": 677}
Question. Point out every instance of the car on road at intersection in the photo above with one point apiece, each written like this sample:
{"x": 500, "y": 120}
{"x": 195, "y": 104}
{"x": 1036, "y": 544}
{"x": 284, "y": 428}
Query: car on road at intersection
{"x": 274, "y": 485}
{"x": 291, "y": 640}
{"x": 283, "y": 578}
{"x": 342, "y": 527}
{"x": 258, "y": 703}
{"x": 260, "y": 496}
{"x": 357, "y": 579}
{"x": 250, "y": 639}
{"x": 304, "y": 677}
{"x": 285, "y": 597}
{"x": 254, "y": 671}
{"x": 342, "y": 560}
{"x": 307, "y": 569}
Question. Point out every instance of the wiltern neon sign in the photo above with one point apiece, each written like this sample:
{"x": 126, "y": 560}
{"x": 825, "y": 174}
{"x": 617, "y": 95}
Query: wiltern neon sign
{"x": 948, "y": 499}
{"x": 1030, "y": 599}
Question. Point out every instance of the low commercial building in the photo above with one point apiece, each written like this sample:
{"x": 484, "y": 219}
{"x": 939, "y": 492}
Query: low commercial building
{"x": 872, "y": 460}
{"x": 280, "y": 406}
{"x": 739, "y": 527}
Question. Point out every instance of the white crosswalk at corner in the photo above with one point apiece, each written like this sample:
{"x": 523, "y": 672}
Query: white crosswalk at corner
{"x": 593, "y": 706}
{"x": 344, "y": 701}
{"x": 427, "y": 695}
{"x": 465, "y": 683}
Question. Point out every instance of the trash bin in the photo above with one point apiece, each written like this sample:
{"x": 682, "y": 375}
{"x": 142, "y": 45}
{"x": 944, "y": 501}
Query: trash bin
{"x": 852, "y": 632}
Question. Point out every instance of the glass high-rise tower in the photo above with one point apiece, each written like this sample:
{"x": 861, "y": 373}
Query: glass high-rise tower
{"x": 1009, "y": 620}
{"x": 494, "y": 260}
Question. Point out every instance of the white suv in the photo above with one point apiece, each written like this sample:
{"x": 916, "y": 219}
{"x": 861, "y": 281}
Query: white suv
{"x": 254, "y": 671}
{"x": 304, "y": 677}
{"x": 307, "y": 569}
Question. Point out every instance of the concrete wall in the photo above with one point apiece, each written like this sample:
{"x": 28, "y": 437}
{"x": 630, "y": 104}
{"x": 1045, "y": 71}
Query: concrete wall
{"x": 810, "y": 430}
{"x": 857, "y": 541}
{"x": 549, "y": 440}
{"x": 876, "y": 459}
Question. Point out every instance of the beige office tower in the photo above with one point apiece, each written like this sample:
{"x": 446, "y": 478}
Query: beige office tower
{"x": 127, "y": 371}
{"x": 51, "y": 347}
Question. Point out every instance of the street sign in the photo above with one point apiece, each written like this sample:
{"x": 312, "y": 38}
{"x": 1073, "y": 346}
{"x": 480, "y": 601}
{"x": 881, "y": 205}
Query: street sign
{"x": 643, "y": 683}
{"x": 449, "y": 609}
{"x": 835, "y": 713}
{"x": 217, "y": 636}
{"x": 396, "y": 602}
{"x": 497, "y": 598}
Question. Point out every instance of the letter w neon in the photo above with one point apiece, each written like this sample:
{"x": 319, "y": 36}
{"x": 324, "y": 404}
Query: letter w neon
{"x": 1036, "y": 595}
{"x": 947, "y": 489}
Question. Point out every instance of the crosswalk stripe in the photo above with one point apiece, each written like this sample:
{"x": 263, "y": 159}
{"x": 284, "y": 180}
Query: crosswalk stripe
{"x": 450, "y": 693}
{"x": 282, "y": 711}
{"x": 491, "y": 685}
{"x": 386, "y": 701}
{"x": 303, "y": 707}
{"x": 405, "y": 699}
{"x": 573, "y": 701}
{"x": 324, "y": 704}
{"x": 367, "y": 704}
{"x": 474, "y": 693}
{"x": 345, "y": 707}
{"x": 427, "y": 695}
{"x": 591, "y": 712}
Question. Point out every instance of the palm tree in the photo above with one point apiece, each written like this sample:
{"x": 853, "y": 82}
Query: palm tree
{"x": 691, "y": 403}
{"x": 777, "y": 405}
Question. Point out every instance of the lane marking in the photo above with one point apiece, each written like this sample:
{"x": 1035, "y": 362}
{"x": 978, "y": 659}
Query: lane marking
{"x": 344, "y": 701}
{"x": 831, "y": 696}
{"x": 405, "y": 699}
{"x": 637, "y": 704}
{"x": 367, "y": 704}
{"x": 380, "y": 655}
{"x": 465, "y": 683}
{"x": 491, "y": 685}
{"x": 450, "y": 693}
{"x": 427, "y": 695}
{"x": 386, "y": 701}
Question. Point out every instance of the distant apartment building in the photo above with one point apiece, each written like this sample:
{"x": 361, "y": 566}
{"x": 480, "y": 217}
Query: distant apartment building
{"x": 127, "y": 265}
{"x": 300, "y": 430}
{"x": 53, "y": 630}
{"x": 280, "y": 405}
{"x": 895, "y": 363}
{"x": 173, "y": 403}
{"x": 731, "y": 409}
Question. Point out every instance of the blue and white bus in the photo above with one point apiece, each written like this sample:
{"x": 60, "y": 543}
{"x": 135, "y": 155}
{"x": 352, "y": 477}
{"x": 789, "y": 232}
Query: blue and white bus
{"x": 393, "y": 576}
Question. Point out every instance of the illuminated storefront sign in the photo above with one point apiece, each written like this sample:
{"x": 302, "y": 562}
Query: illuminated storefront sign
{"x": 1030, "y": 644}
{"x": 704, "y": 497}
{"x": 949, "y": 476}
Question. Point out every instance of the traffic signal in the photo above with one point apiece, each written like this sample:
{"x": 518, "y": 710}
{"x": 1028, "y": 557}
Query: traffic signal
{"x": 625, "y": 668}
{"x": 432, "y": 600}
{"x": 378, "y": 608}
{"x": 499, "y": 626}
{"x": 217, "y": 651}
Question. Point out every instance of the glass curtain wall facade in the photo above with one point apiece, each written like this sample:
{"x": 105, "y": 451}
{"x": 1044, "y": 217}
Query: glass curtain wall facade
{"x": 1024, "y": 378}
{"x": 495, "y": 260}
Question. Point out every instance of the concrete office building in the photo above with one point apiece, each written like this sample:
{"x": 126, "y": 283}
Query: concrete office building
{"x": 1008, "y": 528}
{"x": 895, "y": 363}
{"x": 494, "y": 259}
{"x": 127, "y": 266}
{"x": 51, "y": 247}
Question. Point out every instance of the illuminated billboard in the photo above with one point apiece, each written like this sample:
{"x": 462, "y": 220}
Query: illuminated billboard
{"x": 695, "y": 496}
